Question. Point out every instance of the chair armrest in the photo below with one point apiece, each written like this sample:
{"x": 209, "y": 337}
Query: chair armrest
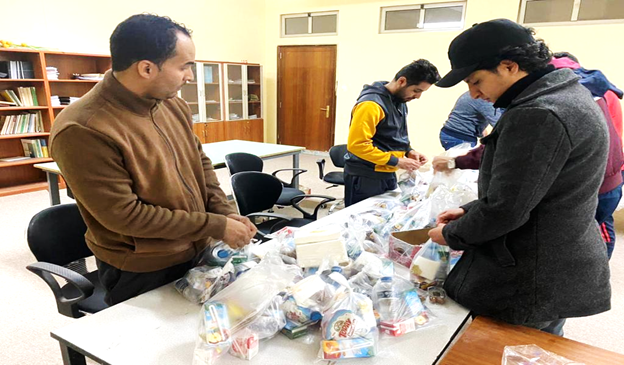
{"x": 45, "y": 270}
{"x": 295, "y": 200}
{"x": 292, "y": 181}
{"x": 270, "y": 215}
{"x": 321, "y": 165}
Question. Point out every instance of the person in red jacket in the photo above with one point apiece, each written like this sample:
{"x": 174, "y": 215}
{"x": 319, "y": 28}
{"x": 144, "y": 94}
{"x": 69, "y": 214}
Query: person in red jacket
{"x": 608, "y": 97}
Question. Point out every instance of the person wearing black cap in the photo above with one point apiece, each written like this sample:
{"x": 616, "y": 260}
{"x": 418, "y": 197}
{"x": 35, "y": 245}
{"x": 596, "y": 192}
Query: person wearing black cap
{"x": 533, "y": 254}
{"x": 378, "y": 142}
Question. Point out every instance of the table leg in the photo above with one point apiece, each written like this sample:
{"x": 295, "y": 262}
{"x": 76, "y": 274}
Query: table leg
{"x": 72, "y": 357}
{"x": 53, "y": 188}
{"x": 296, "y": 166}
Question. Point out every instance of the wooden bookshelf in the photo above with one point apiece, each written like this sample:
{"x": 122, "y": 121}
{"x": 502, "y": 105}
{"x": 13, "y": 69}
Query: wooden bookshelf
{"x": 21, "y": 176}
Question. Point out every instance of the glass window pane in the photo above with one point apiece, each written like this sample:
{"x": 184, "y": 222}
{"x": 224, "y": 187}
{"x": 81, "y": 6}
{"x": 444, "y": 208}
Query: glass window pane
{"x": 601, "y": 9}
{"x": 296, "y": 25}
{"x": 443, "y": 17}
{"x": 402, "y": 19}
{"x": 324, "y": 23}
{"x": 543, "y": 11}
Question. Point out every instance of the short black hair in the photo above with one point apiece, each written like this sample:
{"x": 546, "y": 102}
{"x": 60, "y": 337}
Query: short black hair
{"x": 529, "y": 57}
{"x": 566, "y": 54}
{"x": 144, "y": 37}
{"x": 419, "y": 71}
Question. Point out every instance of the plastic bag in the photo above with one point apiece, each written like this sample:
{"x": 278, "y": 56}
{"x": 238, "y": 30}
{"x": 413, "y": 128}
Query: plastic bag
{"x": 245, "y": 344}
{"x": 214, "y": 334}
{"x": 348, "y": 328}
{"x": 361, "y": 283}
{"x": 446, "y": 197}
{"x": 360, "y": 235}
{"x": 533, "y": 355}
{"x": 430, "y": 264}
{"x": 413, "y": 187}
{"x": 314, "y": 292}
{"x": 285, "y": 240}
{"x": 202, "y": 282}
{"x": 254, "y": 291}
{"x": 271, "y": 321}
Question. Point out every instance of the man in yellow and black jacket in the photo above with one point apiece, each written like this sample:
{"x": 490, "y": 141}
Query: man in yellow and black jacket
{"x": 378, "y": 141}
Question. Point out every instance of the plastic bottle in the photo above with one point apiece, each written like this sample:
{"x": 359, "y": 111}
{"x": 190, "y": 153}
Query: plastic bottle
{"x": 387, "y": 299}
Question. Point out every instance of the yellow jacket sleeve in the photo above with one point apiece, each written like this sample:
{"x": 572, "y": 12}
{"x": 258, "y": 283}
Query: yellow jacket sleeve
{"x": 365, "y": 117}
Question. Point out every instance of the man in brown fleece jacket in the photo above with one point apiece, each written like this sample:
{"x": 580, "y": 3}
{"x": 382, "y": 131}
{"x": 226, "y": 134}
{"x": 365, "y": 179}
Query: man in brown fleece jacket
{"x": 147, "y": 192}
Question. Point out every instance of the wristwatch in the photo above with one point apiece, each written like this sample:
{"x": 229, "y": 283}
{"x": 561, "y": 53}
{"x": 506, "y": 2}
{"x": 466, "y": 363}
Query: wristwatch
{"x": 451, "y": 164}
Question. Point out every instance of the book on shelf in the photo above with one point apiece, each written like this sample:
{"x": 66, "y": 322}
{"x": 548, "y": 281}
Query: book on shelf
{"x": 17, "y": 69}
{"x": 88, "y": 76}
{"x": 52, "y": 73}
{"x": 56, "y": 100}
{"x": 25, "y": 96}
{"x": 35, "y": 148}
{"x": 21, "y": 123}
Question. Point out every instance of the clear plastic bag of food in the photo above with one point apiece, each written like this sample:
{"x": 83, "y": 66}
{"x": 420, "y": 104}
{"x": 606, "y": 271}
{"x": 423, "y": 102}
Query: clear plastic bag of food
{"x": 348, "y": 327}
{"x": 450, "y": 197}
{"x": 533, "y": 355}
{"x": 254, "y": 291}
{"x": 202, "y": 282}
{"x": 399, "y": 307}
{"x": 430, "y": 265}
{"x": 271, "y": 321}
{"x": 413, "y": 187}
{"x": 215, "y": 337}
{"x": 314, "y": 292}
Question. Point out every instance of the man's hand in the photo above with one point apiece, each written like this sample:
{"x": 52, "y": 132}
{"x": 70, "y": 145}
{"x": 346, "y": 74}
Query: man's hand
{"x": 450, "y": 215}
{"x": 246, "y": 221}
{"x": 441, "y": 163}
{"x": 418, "y": 157}
{"x": 408, "y": 164}
{"x": 237, "y": 234}
{"x": 437, "y": 236}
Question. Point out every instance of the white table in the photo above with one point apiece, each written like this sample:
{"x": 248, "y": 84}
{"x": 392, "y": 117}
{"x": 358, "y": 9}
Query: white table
{"x": 160, "y": 327}
{"x": 216, "y": 151}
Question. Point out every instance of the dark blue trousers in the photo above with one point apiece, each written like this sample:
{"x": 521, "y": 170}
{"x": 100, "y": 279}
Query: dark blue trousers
{"x": 358, "y": 188}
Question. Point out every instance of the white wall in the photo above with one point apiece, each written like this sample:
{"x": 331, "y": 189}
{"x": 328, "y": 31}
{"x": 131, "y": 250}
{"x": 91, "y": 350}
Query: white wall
{"x": 365, "y": 56}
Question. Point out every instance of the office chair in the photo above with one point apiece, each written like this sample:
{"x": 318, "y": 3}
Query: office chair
{"x": 241, "y": 161}
{"x": 335, "y": 178}
{"x": 256, "y": 192}
{"x": 56, "y": 238}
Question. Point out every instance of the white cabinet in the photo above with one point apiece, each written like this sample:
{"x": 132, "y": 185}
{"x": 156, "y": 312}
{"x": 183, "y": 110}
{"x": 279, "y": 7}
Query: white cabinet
{"x": 243, "y": 91}
{"x": 205, "y": 94}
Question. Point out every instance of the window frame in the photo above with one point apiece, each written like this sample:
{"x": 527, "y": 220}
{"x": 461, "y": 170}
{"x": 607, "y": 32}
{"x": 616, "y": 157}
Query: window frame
{"x": 576, "y": 8}
{"x": 420, "y": 27}
{"x": 309, "y": 16}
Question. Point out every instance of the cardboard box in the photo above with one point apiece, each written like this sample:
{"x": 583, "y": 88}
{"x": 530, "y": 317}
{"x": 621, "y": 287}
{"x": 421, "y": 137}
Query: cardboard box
{"x": 404, "y": 245}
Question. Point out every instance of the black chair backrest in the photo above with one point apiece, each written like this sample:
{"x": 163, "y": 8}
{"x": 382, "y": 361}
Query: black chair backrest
{"x": 255, "y": 191}
{"x": 57, "y": 235}
{"x": 337, "y": 155}
{"x": 241, "y": 161}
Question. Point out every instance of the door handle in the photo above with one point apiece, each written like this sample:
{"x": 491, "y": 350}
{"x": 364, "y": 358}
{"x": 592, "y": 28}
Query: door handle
{"x": 326, "y": 110}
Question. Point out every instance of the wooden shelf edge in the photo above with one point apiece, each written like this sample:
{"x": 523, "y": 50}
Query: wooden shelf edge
{"x": 22, "y": 108}
{"x": 30, "y": 161}
{"x": 24, "y": 135}
{"x": 24, "y": 188}
{"x": 74, "y": 81}
{"x": 22, "y": 80}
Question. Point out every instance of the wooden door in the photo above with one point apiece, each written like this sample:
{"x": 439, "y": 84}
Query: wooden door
{"x": 306, "y": 96}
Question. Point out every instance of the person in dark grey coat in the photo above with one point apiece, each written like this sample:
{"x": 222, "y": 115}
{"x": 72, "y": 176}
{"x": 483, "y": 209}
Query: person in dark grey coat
{"x": 533, "y": 254}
